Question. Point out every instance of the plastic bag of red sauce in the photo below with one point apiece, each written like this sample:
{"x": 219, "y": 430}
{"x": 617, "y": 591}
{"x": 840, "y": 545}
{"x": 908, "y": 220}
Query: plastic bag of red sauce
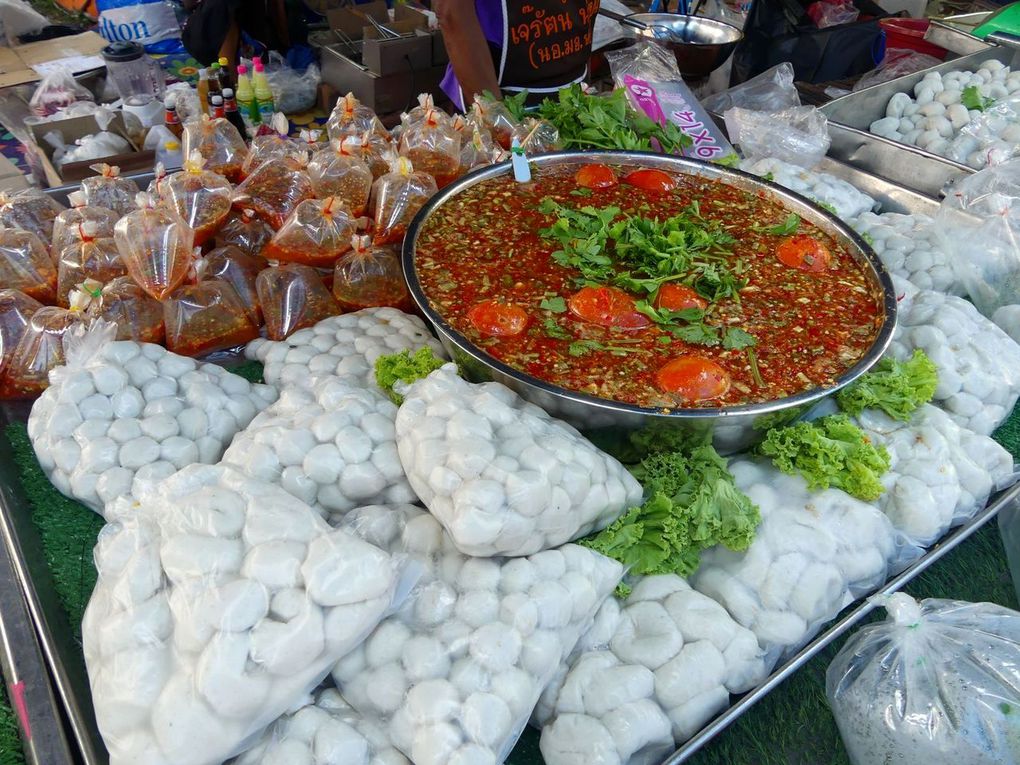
{"x": 39, "y": 350}
{"x": 476, "y": 144}
{"x": 293, "y": 297}
{"x": 219, "y": 142}
{"x": 16, "y": 310}
{"x": 65, "y": 226}
{"x": 158, "y": 183}
{"x": 369, "y": 277}
{"x": 275, "y": 189}
{"x": 274, "y": 145}
{"x": 109, "y": 190}
{"x": 30, "y": 210}
{"x": 375, "y": 150}
{"x": 339, "y": 171}
{"x": 433, "y": 146}
{"x": 396, "y": 199}
{"x": 138, "y": 316}
{"x": 245, "y": 230}
{"x": 492, "y": 114}
{"x": 239, "y": 270}
{"x": 26, "y": 265}
{"x": 91, "y": 257}
{"x": 318, "y": 233}
{"x": 351, "y": 117}
{"x": 202, "y": 198}
{"x": 155, "y": 244}
{"x": 537, "y": 136}
{"x": 206, "y": 316}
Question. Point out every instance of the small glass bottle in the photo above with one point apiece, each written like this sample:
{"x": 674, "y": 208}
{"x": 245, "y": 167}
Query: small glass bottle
{"x": 217, "y": 105}
{"x": 172, "y": 119}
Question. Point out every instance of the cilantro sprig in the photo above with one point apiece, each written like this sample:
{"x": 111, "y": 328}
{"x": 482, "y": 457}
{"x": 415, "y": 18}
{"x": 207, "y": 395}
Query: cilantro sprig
{"x": 971, "y": 98}
{"x": 690, "y": 326}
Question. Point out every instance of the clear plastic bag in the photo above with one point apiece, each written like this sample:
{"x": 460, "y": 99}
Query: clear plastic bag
{"x": 771, "y": 91}
{"x": 16, "y": 310}
{"x": 988, "y": 138}
{"x": 91, "y": 257}
{"x": 351, "y": 117}
{"x": 1009, "y": 528}
{"x": 339, "y": 171}
{"x": 222, "y": 602}
{"x": 426, "y": 104}
{"x": 799, "y": 135}
{"x": 396, "y": 199}
{"x": 137, "y": 314}
{"x": 294, "y": 91}
{"x": 109, "y": 190}
{"x": 896, "y": 63}
{"x": 846, "y": 201}
{"x": 492, "y": 114}
{"x": 275, "y": 145}
{"x": 39, "y": 350}
{"x": 293, "y": 297}
{"x": 935, "y": 684}
{"x": 456, "y": 672}
{"x": 537, "y": 136}
{"x": 275, "y": 189}
{"x": 65, "y": 225}
{"x": 219, "y": 142}
{"x": 433, "y": 147}
{"x": 156, "y": 245}
{"x": 318, "y": 233}
{"x": 120, "y": 415}
{"x": 205, "y": 317}
{"x": 89, "y": 147}
{"x": 240, "y": 270}
{"x": 830, "y": 13}
{"x": 158, "y": 182}
{"x": 245, "y": 230}
{"x": 201, "y": 197}
{"x": 570, "y": 489}
{"x": 26, "y": 265}
{"x": 978, "y": 225}
{"x": 56, "y": 91}
{"x": 375, "y": 150}
{"x": 30, "y": 210}
{"x": 475, "y": 144}
{"x": 369, "y": 277}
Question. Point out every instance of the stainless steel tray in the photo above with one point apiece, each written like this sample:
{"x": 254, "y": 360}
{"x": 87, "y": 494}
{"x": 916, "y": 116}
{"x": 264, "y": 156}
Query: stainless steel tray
{"x": 954, "y": 33}
{"x": 908, "y": 166}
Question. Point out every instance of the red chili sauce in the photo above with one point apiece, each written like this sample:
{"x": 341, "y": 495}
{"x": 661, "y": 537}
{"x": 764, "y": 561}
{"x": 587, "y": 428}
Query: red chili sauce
{"x": 810, "y": 308}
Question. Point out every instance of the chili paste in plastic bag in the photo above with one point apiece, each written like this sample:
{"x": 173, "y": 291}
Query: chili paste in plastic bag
{"x": 109, "y": 190}
{"x": 219, "y": 142}
{"x": 396, "y": 199}
{"x": 201, "y": 197}
{"x": 156, "y": 246}
{"x": 369, "y": 277}
{"x": 293, "y": 297}
{"x": 26, "y": 265}
{"x": 275, "y": 189}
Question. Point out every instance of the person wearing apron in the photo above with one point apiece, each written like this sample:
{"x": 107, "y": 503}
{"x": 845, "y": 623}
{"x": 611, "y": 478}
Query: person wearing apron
{"x": 511, "y": 45}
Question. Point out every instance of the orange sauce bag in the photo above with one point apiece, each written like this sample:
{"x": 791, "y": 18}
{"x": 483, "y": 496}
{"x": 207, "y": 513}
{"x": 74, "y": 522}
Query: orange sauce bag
{"x": 91, "y": 257}
{"x": 433, "y": 146}
{"x": 155, "y": 244}
{"x": 39, "y": 350}
{"x": 275, "y": 189}
{"x": 26, "y": 265}
{"x": 318, "y": 233}
{"x": 369, "y": 277}
{"x": 293, "y": 297}
{"x": 219, "y": 142}
{"x": 396, "y": 199}
{"x": 339, "y": 171}
{"x": 65, "y": 225}
{"x": 202, "y": 198}
{"x": 16, "y": 310}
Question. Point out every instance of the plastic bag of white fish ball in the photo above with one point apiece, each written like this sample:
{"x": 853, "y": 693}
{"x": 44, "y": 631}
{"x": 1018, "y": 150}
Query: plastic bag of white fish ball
{"x": 325, "y": 732}
{"x": 908, "y": 246}
{"x": 940, "y": 474}
{"x": 121, "y": 414}
{"x": 796, "y": 134}
{"x": 990, "y": 137}
{"x": 955, "y": 703}
{"x": 221, "y": 603}
{"x": 342, "y": 346}
{"x": 455, "y": 674}
{"x": 1007, "y": 318}
{"x": 333, "y": 446}
{"x": 845, "y": 200}
{"x": 978, "y": 364}
{"x": 500, "y": 474}
{"x": 814, "y": 553}
{"x": 667, "y": 668}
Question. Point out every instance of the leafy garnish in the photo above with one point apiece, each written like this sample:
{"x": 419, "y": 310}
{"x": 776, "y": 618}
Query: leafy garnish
{"x": 581, "y": 192}
{"x": 555, "y": 304}
{"x": 555, "y": 331}
{"x": 971, "y": 98}
{"x": 689, "y": 325}
{"x": 831, "y": 451}
{"x": 769, "y": 176}
{"x": 516, "y": 105}
{"x": 895, "y": 387}
{"x": 584, "y": 347}
{"x": 826, "y": 206}
{"x": 582, "y": 235}
{"x": 787, "y": 227}
{"x": 405, "y": 367}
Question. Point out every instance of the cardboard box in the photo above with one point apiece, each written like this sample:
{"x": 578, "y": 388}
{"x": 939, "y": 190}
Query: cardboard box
{"x": 11, "y": 177}
{"x": 75, "y": 128}
{"x": 386, "y": 94}
{"x": 76, "y": 52}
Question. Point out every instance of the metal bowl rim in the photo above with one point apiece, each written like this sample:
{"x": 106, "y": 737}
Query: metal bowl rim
{"x": 697, "y": 21}
{"x": 677, "y": 164}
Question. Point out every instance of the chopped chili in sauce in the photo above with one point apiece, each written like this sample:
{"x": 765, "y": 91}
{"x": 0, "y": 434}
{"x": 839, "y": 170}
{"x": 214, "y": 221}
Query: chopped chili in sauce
{"x": 808, "y": 326}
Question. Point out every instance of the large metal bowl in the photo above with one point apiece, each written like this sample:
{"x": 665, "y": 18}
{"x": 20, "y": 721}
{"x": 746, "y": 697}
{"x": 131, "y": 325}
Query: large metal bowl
{"x": 699, "y": 45}
{"x": 733, "y": 427}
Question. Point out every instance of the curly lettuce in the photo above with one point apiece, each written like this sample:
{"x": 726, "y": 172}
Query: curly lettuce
{"x": 896, "y": 387}
{"x": 405, "y": 367}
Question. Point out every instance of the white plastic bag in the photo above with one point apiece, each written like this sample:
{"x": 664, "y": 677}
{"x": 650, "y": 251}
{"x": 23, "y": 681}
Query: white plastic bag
{"x": 221, "y": 603}
{"x": 798, "y": 134}
{"x": 57, "y": 90}
{"x": 897, "y": 62}
{"x": 1007, "y": 318}
{"x": 455, "y": 674}
{"x": 19, "y": 18}
{"x": 770, "y": 91}
{"x": 936, "y": 684}
{"x": 845, "y": 200}
{"x": 500, "y": 474}
{"x": 909, "y": 246}
{"x": 293, "y": 91}
{"x": 121, "y": 414}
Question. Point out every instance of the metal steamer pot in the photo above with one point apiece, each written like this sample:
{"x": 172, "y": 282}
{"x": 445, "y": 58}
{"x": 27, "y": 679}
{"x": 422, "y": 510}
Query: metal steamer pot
{"x": 732, "y": 428}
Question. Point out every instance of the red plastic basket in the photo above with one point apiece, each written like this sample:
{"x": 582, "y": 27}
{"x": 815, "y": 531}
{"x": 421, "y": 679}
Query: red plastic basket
{"x": 909, "y": 34}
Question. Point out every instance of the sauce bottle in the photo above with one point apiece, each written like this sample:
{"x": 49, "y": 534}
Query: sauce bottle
{"x": 217, "y": 105}
{"x": 263, "y": 95}
{"x": 214, "y": 84}
{"x": 203, "y": 90}
{"x": 246, "y": 98}
{"x": 231, "y": 113}
{"x": 226, "y": 80}
{"x": 172, "y": 119}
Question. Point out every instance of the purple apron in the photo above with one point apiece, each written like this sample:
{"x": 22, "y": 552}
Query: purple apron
{"x": 537, "y": 45}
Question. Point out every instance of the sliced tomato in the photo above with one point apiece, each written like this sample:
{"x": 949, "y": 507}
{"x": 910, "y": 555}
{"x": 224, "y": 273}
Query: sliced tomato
{"x": 596, "y": 176}
{"x": 804, "y": 252}
{"x": 650, "y": 180}
{"x": 498, "y": 319}
{"x": 678, "y": 297}
{"x": 607, "y": 307}
{"x": 693, "y": 379}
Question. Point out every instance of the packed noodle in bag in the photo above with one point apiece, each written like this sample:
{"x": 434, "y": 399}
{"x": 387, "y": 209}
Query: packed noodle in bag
{"x": 201, "y": 197}
{"x": 26, "y": 265}
{"x": 238, "y": 269}
{"x": 65, "y": 225}
{"x": 492, "y": 114}
{"x": 16, "y": 310}
{"x": 109, "y": 190}
{"x": 396, "y": 199}
{"x": 433, "y": 147}
{"x": 138, "y": 315}
{"x": 219, "y": 142}
{"x": 275, "y": 145}
{"x": 39, "y": 350}
{"x": 339, "y": 171}
{"x": 91, "y": 257}
{"x": 30, "y": 210}
{"x": 245, "y": 230}
{"x": 351, "y": 117}
{"x": 206, "y": 316}
{"x": 369, "y": 277}
{"x": 375, "y": 150}
{"x": 293, "y": 297}
{"x": 275, "y": 189}
{"x": 156, "y": 246}
{"x": 537, "y": 136}
{"x": 318, "y": 233}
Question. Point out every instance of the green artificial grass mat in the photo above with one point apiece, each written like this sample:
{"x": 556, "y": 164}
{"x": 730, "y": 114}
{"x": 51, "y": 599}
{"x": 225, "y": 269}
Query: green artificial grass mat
{"x": 791, "y": 726}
